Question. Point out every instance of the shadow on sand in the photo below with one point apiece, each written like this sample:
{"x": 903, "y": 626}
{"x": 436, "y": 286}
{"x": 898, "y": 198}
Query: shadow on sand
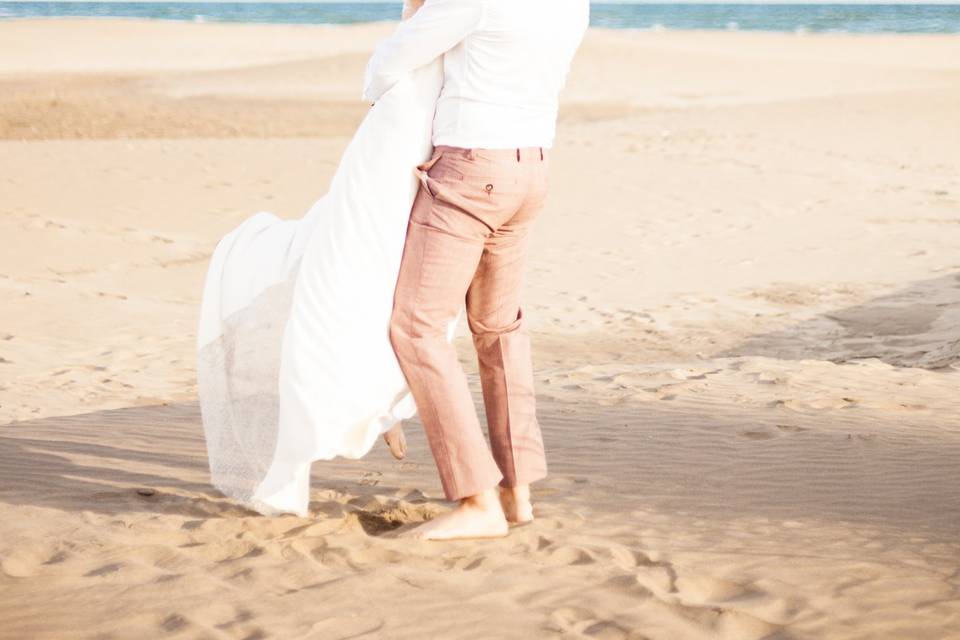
{"x": 917, "y": 326}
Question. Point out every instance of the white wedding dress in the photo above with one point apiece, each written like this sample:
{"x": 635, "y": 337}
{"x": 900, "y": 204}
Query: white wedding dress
{"x": 294, "y": 358}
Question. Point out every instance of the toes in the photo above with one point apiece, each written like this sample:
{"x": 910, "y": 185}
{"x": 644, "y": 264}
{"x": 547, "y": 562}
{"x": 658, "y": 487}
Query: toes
{"x": 397, "y": 446}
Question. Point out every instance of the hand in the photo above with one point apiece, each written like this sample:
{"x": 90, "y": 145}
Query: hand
{"x": 410, "y": 7}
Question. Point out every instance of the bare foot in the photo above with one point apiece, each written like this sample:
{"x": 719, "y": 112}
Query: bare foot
{"x": 478, "y": 516}
{"x": 516, "y": 504}
{"x": 396, "y": 441}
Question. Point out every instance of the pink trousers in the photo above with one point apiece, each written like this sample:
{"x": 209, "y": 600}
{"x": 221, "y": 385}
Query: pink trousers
{"x": 466, "y": 243}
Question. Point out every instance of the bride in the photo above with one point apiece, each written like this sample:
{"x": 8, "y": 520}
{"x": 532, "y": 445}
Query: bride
{"x": 294, "y": 357}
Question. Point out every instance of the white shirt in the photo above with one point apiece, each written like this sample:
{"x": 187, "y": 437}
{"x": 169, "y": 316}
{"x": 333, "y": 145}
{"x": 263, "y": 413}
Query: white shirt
{"x": 504, "y": 64}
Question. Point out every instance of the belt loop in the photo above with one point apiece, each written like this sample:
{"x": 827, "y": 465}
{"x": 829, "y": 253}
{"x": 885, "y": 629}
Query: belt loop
{"x": 518, "y": 154}
{"x": 541, "y": 153}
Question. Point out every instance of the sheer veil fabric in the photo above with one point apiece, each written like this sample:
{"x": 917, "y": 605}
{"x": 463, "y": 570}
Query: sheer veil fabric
{"x": 295, "y": 363}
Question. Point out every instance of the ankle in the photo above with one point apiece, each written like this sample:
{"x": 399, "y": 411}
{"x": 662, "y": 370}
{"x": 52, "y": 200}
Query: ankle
{"x": 518, "y": 493}
{"x": 484, "y": 501}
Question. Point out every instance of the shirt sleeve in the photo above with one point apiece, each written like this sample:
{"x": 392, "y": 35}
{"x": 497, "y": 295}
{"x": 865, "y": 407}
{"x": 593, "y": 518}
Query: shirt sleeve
{"x": 435, "y": 28}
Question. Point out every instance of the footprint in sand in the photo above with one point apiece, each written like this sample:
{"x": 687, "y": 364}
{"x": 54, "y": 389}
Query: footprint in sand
{"x": 771, "y": 432}
{"x": 729, "y": 608}
{"x": 468, "y": 563}
{"x": 174, "y": 623}
{"x": 370, "y": 478}
{"x": 657, "y": 576}
{"x": 582, "y": 622}
{"x": 570, "y": 555}
{"x": 170, "y": 577}
{"x": 380, "y": 519}
{"x": 225, "y": 551}
{"x": 790, "y": 428}
{"x": 721, "y": 622}
{"x": 26, "y": 561}
{"x": 105, "y": 570}
{"x": 757, "y": 434}
{"x": 709, "y": 589}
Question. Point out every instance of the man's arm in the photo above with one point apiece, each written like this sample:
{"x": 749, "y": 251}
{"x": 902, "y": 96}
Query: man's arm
{"x": 435, "y": 28}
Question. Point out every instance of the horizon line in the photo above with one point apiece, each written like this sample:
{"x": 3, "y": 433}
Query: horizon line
{"x": 944, "y": 3}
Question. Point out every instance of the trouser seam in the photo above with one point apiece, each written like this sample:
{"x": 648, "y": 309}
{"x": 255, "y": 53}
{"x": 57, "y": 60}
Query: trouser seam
{"x": 509, "y": 426}
{"x": 419, "y": 367}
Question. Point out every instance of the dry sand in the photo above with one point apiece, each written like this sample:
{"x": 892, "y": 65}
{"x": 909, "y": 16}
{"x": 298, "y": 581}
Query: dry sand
{"x": 745, "y": 300}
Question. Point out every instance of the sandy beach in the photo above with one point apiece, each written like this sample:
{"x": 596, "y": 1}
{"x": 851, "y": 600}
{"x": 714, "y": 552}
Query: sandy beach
{"x": 745, "y": 304}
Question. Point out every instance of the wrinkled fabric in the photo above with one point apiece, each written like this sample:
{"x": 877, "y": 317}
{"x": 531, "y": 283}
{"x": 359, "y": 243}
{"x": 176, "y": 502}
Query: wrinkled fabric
{"x": 467, "y": 241}
{"x": 294, "y": 357}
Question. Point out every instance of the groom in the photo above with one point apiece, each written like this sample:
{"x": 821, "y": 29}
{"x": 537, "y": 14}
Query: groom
{"x": 504, "y": 63}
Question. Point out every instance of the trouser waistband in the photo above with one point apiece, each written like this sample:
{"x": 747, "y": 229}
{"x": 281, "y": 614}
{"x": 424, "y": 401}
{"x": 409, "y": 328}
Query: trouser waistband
{"x": 520, "y": 154}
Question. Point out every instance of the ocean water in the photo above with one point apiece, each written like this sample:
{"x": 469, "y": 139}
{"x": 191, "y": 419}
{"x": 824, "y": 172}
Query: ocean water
{"x": 852, "y": 18}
